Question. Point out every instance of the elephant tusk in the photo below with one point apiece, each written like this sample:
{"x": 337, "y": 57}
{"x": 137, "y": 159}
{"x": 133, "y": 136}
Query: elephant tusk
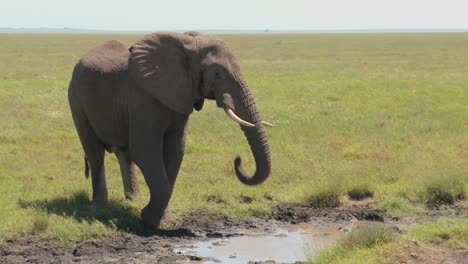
{"x": 237, "y": 119}
{"x": 268, "y": 124}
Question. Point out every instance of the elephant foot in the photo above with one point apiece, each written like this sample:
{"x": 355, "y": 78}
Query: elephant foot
{"x": 150, "y": 217}
{"x": 131, "y": 188}
{"x": 132, "y": 196}
{"x": 167, "y": 217}
{"x": 99, "y": 200}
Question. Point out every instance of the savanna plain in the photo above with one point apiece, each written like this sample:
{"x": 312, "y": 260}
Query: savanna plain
{"x": 379, "y": 118}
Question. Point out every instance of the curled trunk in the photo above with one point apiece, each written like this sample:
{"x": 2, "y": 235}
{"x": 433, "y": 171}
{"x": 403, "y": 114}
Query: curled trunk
{"x": 256, "y": 136}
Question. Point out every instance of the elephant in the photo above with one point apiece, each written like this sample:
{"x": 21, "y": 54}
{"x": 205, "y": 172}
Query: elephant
{"x": 135, "y": 102}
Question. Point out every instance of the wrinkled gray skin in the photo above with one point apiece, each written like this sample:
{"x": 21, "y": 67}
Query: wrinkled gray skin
{"x": 136, "y": 102}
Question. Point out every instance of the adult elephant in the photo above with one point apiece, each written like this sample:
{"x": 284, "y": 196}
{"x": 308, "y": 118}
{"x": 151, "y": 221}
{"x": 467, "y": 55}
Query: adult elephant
{"x": 136, "y": 102}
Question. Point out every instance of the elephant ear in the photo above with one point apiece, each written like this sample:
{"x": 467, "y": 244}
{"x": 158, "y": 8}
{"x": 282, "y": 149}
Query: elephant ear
{"x": 160, "y": 64}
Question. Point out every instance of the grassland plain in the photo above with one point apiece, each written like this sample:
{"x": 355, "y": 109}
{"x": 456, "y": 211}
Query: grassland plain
{"x": 431, "y": 243}
{"x": 379, "y": 114}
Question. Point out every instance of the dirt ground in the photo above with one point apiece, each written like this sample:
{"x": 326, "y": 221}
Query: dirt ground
{"x": 419, "y": 253}
{"x": 158, "y": 246}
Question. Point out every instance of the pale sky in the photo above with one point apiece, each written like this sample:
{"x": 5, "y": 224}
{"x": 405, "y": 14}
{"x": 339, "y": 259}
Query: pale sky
{"x": 235, "y": 14}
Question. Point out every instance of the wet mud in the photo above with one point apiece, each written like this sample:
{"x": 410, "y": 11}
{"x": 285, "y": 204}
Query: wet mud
{"x": 282, "y": 245}
{"x": 202, "y": 237}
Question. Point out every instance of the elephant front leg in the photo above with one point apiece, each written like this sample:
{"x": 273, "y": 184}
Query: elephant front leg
{"x": 148, "y": 157}
{"x": 160, "y": 193}
{"x": 173, "y": 154}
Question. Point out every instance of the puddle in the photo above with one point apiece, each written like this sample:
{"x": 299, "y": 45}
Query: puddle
{"x": 283, "y": 245}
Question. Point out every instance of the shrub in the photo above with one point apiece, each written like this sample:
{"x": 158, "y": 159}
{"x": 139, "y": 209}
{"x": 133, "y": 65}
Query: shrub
{"x": 360, "y": 192}
{"x": 369, "y": 235}
{"x": 443, "y": 191}
{"x": 324, "y": 199}
{"x": 361, "y": 242}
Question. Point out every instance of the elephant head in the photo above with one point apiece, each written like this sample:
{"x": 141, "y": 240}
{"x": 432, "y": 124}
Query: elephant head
{"x": 181, "y": 70}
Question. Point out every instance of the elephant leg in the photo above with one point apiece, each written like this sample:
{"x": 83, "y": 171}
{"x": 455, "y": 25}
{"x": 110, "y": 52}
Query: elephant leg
{"x": 98, "y": 180}
{"x": 94, "y": 154}
{"x": 160, "y": 191}
{"x": 173, "y": 153}
{"x": 146, "y": 152}
{"x": 127, "y": 169}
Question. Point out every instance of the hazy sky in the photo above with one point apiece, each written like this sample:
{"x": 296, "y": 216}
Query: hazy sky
{"x": 235, "y": 14}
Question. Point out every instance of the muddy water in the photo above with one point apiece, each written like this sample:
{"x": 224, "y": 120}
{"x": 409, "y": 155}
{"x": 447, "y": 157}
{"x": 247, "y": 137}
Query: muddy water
{"x": 282, "y": 245}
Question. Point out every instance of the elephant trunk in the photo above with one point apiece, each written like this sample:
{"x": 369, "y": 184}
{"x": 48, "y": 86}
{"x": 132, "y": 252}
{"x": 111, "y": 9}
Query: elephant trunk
{"x": 245, "y": 107}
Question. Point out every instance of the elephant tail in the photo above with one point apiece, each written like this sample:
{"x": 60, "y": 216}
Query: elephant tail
{"x": 86, "y": 172}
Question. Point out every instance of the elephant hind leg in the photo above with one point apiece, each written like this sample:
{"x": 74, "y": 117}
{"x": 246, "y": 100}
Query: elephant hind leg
{"x": 127, "y": 169}
{"x": 95, "y": 157}
{"x": 98, "y": 178}
{"x": 94, "y": 153}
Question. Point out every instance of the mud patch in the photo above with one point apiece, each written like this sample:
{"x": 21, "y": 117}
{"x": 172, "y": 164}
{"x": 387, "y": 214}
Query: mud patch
{"x": 132, "y": 249}
{"x": 297, "y": 213}
{"x": 429, "y": 254}
{"x": 211, "y": 223}
{"x": 200, "y": 226}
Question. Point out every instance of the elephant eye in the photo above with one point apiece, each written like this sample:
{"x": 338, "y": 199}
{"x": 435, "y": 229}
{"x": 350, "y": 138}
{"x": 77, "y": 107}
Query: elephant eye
{"x": 218, "y": 75}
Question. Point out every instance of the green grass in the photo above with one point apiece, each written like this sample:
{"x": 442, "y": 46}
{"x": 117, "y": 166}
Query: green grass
{"x": 451, "y": 235}
{"x": 379, "y": 243}
{"x": 361, "y": 245}
{"x": 400, "y": 206}
{"x": 384, "y": 113}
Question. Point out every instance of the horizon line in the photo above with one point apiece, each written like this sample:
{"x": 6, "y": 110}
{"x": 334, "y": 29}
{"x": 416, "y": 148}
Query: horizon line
{"x": 265, "y": 30}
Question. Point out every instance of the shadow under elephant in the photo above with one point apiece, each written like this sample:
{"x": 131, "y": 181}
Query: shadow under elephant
{"x": 119, "y": 215}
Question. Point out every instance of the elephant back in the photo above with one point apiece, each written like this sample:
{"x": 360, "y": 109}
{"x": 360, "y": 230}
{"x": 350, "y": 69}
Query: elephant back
{"x": 107, "y": 58}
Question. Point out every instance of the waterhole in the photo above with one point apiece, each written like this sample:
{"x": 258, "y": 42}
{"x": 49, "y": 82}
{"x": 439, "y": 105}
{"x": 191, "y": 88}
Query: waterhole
{"x": 284, "y": 245}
